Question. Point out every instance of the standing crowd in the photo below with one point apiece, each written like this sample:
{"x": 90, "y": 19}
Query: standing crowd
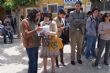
{"x": 80, "y": 29}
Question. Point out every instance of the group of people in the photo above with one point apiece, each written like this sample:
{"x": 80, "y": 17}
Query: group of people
{"x": 6, "y": 29}
{"x": 85, "y": 31}
{"x": 82, "y": 30}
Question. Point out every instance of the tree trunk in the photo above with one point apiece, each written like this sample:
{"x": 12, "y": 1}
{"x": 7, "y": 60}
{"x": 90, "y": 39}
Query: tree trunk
{"x": 18, "y": 21}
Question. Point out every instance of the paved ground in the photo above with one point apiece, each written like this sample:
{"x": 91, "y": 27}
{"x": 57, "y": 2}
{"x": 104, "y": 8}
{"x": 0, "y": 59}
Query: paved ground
{"x": 13, "y": 59}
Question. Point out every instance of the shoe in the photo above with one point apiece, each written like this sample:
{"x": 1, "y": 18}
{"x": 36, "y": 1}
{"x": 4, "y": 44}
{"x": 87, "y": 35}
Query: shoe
{"x": 91, "y": 58}
{"x": 63, "y": 64}
{"x": 73, "y": 62}
{"x": 94, "y": 65}
{"x": 80, "y": 61}
{"x": 99, "y": 67}
{"x": 106, "y": 63}
{"x": 11, "y": 41}
{"x": 57, "y": 66}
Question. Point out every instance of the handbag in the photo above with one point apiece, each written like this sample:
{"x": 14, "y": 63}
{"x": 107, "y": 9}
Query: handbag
{"x": 60, "y": 43}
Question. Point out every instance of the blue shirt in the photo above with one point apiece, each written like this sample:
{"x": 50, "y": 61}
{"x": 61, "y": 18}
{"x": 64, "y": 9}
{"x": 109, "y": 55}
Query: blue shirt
{"x": 91, "y": 26}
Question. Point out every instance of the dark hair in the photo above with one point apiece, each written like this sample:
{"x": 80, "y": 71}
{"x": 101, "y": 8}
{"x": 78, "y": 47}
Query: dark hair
{"x": 46, "y": 15}
{"x": 89, "y": 12}
{"x": 94, "y": 9}
{"x": 32, "y": 14}
{"x": 103, "y": 17}
{"x": 61, "y": 11}
{"x": 79, "y": 2}
{"x": 67, "y": 16}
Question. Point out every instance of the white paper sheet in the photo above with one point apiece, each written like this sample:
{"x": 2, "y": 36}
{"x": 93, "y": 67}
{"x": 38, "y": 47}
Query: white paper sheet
{"x": 44, "y": 29}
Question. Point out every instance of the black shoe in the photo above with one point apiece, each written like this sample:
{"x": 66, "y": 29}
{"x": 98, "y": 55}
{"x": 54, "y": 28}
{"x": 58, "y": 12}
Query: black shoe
{"x": 94, "y": 65}
{"x": 80, "y": 61}
{"x": 11, "y": 41}
{"x": 73, "y": 62}
{"x": 57, "y": 66}
{"x": 63, "y": 64}
{"x": 106, "y": 63}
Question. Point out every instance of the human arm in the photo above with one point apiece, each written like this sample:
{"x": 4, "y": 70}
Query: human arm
{"x": 101, "y": 30}
{"x": 26, "y": 30}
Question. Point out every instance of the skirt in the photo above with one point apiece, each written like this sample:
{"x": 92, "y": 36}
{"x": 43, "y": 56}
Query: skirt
{"x": 46, "y": 53}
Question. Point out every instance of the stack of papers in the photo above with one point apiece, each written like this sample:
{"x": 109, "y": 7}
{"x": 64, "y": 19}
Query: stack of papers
{"x": 45, "y": 28}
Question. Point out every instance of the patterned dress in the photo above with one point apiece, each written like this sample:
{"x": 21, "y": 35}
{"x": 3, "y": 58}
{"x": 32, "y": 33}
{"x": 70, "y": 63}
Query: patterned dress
{"x": 49, "y": 44}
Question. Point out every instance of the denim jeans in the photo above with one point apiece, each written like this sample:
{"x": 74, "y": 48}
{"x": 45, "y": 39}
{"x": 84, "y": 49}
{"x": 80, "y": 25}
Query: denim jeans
{"x": 33, "y": 59}
{"x": 102, "y": 44}
{"x": 90, "y": 46}
{"x": 9, "y": 34}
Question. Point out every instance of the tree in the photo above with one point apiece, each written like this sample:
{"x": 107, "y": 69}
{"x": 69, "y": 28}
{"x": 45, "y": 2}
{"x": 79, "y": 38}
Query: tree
{"x": 21, "y": 4}
{"x": 16, "y": 6}
{"x": 12, "y": 4}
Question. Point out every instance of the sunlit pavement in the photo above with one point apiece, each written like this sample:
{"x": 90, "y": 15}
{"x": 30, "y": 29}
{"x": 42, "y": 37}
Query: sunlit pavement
{"x": 13, "y": 59}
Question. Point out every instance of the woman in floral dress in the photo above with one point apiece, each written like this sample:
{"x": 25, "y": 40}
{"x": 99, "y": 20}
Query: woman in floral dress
{"x": 49, "y": 43}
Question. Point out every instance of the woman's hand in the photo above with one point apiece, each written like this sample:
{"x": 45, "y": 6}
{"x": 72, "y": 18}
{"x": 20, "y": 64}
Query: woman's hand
{"x": 38, "y": 28}
{"x": 47, "y": 33}
{"x": 52, "y": 33}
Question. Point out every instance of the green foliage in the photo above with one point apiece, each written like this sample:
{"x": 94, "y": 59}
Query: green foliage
{"x": 25, "y": 2}
{"x": 11, "y": 4}
{"x": 1, "y": 2}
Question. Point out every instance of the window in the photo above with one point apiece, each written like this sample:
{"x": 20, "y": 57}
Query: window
{"x": 53, "y": 8}
{"x": 104, "y": 6}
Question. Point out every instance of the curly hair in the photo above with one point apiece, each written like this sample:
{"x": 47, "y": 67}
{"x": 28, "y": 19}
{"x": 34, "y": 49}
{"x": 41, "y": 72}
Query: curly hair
{"x": 32, "y": 14}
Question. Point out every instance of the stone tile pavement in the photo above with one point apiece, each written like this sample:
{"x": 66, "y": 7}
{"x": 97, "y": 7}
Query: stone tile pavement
{"x": 13, "y": 59}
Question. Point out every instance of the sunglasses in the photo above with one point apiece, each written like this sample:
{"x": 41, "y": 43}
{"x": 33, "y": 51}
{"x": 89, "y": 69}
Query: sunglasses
{"x": 108, "y": 16}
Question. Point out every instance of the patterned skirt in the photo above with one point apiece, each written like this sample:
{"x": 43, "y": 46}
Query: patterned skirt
{"x": 50, "y": 50}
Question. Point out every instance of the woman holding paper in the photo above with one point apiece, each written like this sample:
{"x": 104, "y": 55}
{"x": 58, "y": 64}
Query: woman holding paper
{"x": 49, "y": 46}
